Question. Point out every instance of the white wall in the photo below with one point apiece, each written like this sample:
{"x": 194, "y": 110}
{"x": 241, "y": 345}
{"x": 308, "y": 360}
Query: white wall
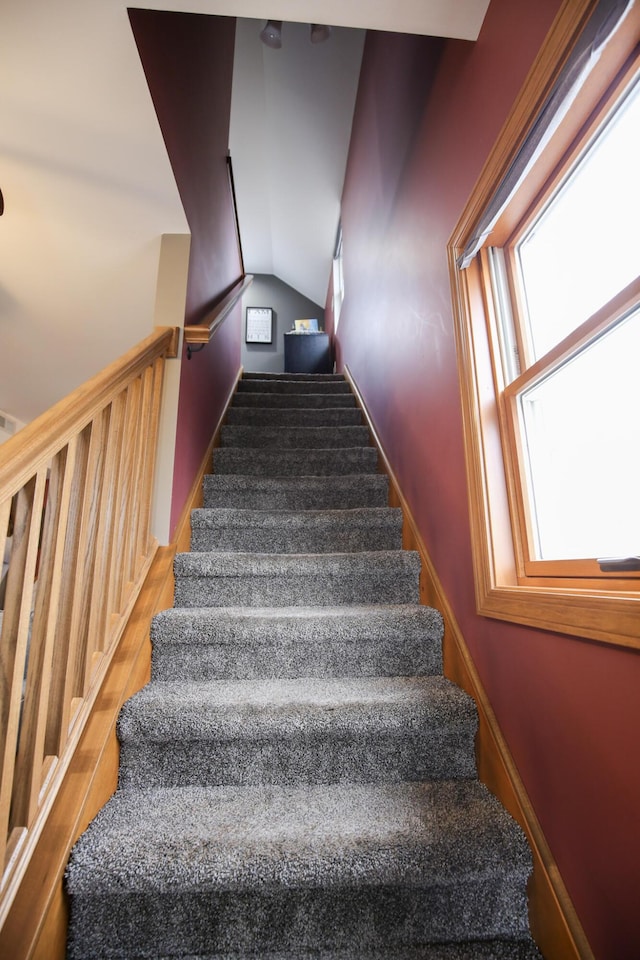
{"x": 291, "y": 116}
{"x": 88, "y": 191}
{"x": 171, "y": 296}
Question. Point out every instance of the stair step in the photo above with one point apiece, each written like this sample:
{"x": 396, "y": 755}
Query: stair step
{"x": 294, "y": 416}
{"x": 360, "y": 730}
{"x": 312, "y": 377}
{"x": 288, "y": 386}
{"x": 266, "y": 643}
{"x": 328, "y": 401}
{"x": 295, "y": 493}
{"x": 311, "y": 579}
{"x": 295, "y": 463}
{"x": 284, "y": 438}
{"x": 288, "y": 531}
{"x": 302, "y": 868}
{"x": 471, "y": 950}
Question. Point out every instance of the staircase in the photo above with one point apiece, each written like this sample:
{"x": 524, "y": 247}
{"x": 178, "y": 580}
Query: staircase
{"x": 298, "y": 779}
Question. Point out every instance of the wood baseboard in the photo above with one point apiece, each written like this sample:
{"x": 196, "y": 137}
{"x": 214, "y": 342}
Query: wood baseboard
{"x": 36, "y": 923}
{"x": 554, "y": 923}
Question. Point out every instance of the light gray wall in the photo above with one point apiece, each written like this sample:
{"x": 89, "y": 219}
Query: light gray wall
{"x": 291, "y": 114}
{"x": 288, "y": 305}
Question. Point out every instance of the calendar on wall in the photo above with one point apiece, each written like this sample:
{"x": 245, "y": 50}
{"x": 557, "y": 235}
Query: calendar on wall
{"x": 259, "y": 325}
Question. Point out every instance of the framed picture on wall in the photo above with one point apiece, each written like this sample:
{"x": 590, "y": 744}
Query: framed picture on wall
{"x": 259, "y": 327}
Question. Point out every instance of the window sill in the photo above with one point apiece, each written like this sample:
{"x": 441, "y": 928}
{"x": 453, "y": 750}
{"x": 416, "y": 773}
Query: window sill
{"x": 593, "y": 615}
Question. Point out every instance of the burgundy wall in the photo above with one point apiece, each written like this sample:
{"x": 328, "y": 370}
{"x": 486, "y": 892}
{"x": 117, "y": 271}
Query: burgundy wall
{"x": 188, "y": 62}
{"x": 426, "y": 117}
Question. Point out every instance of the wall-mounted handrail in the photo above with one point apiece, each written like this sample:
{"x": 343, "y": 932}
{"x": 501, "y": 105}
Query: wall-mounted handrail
{"x": 201, "y": 333}
{"x": 234, "y": 200}
{"x": 75, "y": 505}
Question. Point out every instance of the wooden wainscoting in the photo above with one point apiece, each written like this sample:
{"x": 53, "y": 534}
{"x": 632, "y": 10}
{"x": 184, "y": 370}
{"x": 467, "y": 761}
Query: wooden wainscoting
{"x": 553, "y": 919}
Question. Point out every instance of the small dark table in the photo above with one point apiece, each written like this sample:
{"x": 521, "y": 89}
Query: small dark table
{"x": 307, "y": 353}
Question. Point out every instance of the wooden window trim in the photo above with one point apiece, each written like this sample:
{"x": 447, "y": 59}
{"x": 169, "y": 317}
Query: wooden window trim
{"x": 581, "y": 606}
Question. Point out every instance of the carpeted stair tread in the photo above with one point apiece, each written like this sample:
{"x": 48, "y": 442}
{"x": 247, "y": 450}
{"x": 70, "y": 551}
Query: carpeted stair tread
{"x": 286, "y": 531}
{"x": 205, "y": 869}
{"x": 293, "y": 386}
{"x": 292, "y": 400}
{"x": 306, "y": 730}
{"x": 206, "y": 644}
{"x": 165, "y": 710}
{"x": 294, "y": 416}
{"x": 346, "y": 835}
{"x": 310, "y": 579}
{"x": 264, "y": 462}
{"x": 295, "y": 493}
{"x": 319, "y": 378}
{"x": 287, "y": 437}
{"x": 515, "y": 949}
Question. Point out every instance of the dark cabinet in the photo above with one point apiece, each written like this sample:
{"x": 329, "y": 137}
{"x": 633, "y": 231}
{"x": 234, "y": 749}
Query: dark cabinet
{"x": 307, "y": 353}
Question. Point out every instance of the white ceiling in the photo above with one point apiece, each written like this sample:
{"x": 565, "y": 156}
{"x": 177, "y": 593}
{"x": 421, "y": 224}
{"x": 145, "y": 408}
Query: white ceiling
{"x": 439, "y": 18}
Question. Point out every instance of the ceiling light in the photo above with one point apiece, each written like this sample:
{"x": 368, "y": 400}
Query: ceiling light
{"x": 271, "y": 35}
{"x": 320, "y": 32}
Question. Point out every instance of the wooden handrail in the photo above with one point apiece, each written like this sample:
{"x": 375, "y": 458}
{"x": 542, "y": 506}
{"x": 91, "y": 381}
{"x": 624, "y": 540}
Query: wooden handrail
{"x": 234, "y": 201}
{"x": 38, "y": 439}
{"x": 201, "y": 333}
{"x": 75, "y": 506}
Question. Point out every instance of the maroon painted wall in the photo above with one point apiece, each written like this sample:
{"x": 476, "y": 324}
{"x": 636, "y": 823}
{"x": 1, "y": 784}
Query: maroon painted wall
{"x": 426, "y": 118}
{"x": 188, "y": 62}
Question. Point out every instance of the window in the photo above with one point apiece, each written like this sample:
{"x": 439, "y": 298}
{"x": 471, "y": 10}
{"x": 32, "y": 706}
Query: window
{"x": 547, "y": 302}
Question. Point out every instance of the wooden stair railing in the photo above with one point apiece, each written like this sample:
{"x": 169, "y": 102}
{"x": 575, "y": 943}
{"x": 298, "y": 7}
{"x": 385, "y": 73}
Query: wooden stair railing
{"x": 75, "y": 503}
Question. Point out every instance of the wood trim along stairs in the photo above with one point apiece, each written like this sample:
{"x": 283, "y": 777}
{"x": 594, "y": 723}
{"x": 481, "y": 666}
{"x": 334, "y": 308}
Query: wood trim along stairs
{"x": 36, "y": 925}
{"x": 554, "y": 923}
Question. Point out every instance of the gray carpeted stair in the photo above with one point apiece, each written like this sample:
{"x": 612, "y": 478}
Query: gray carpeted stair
{"x": 292, "y": 401}
{"x": 296, "y": 731}
{"x": 263, "y": 462}
{"x": 287, "y": 437}
{"x": 303, "y": 579}
{"x": 287, "y": 385}
{"x": 298, "y": 780}
{"x": 296, "y": 493}
{"x": 267, "y": 643}
{"x": 294, "y": 416}
{"x": 302, "y": 531}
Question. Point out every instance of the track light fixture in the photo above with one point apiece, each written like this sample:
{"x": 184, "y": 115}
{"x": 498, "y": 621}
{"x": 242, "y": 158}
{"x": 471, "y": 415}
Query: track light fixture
{"x": 320, "y": 32}
{"x": 271, "y": 33}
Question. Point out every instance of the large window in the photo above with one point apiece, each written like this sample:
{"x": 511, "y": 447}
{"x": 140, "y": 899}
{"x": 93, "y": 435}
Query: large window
{"x": 548, "y": 310}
